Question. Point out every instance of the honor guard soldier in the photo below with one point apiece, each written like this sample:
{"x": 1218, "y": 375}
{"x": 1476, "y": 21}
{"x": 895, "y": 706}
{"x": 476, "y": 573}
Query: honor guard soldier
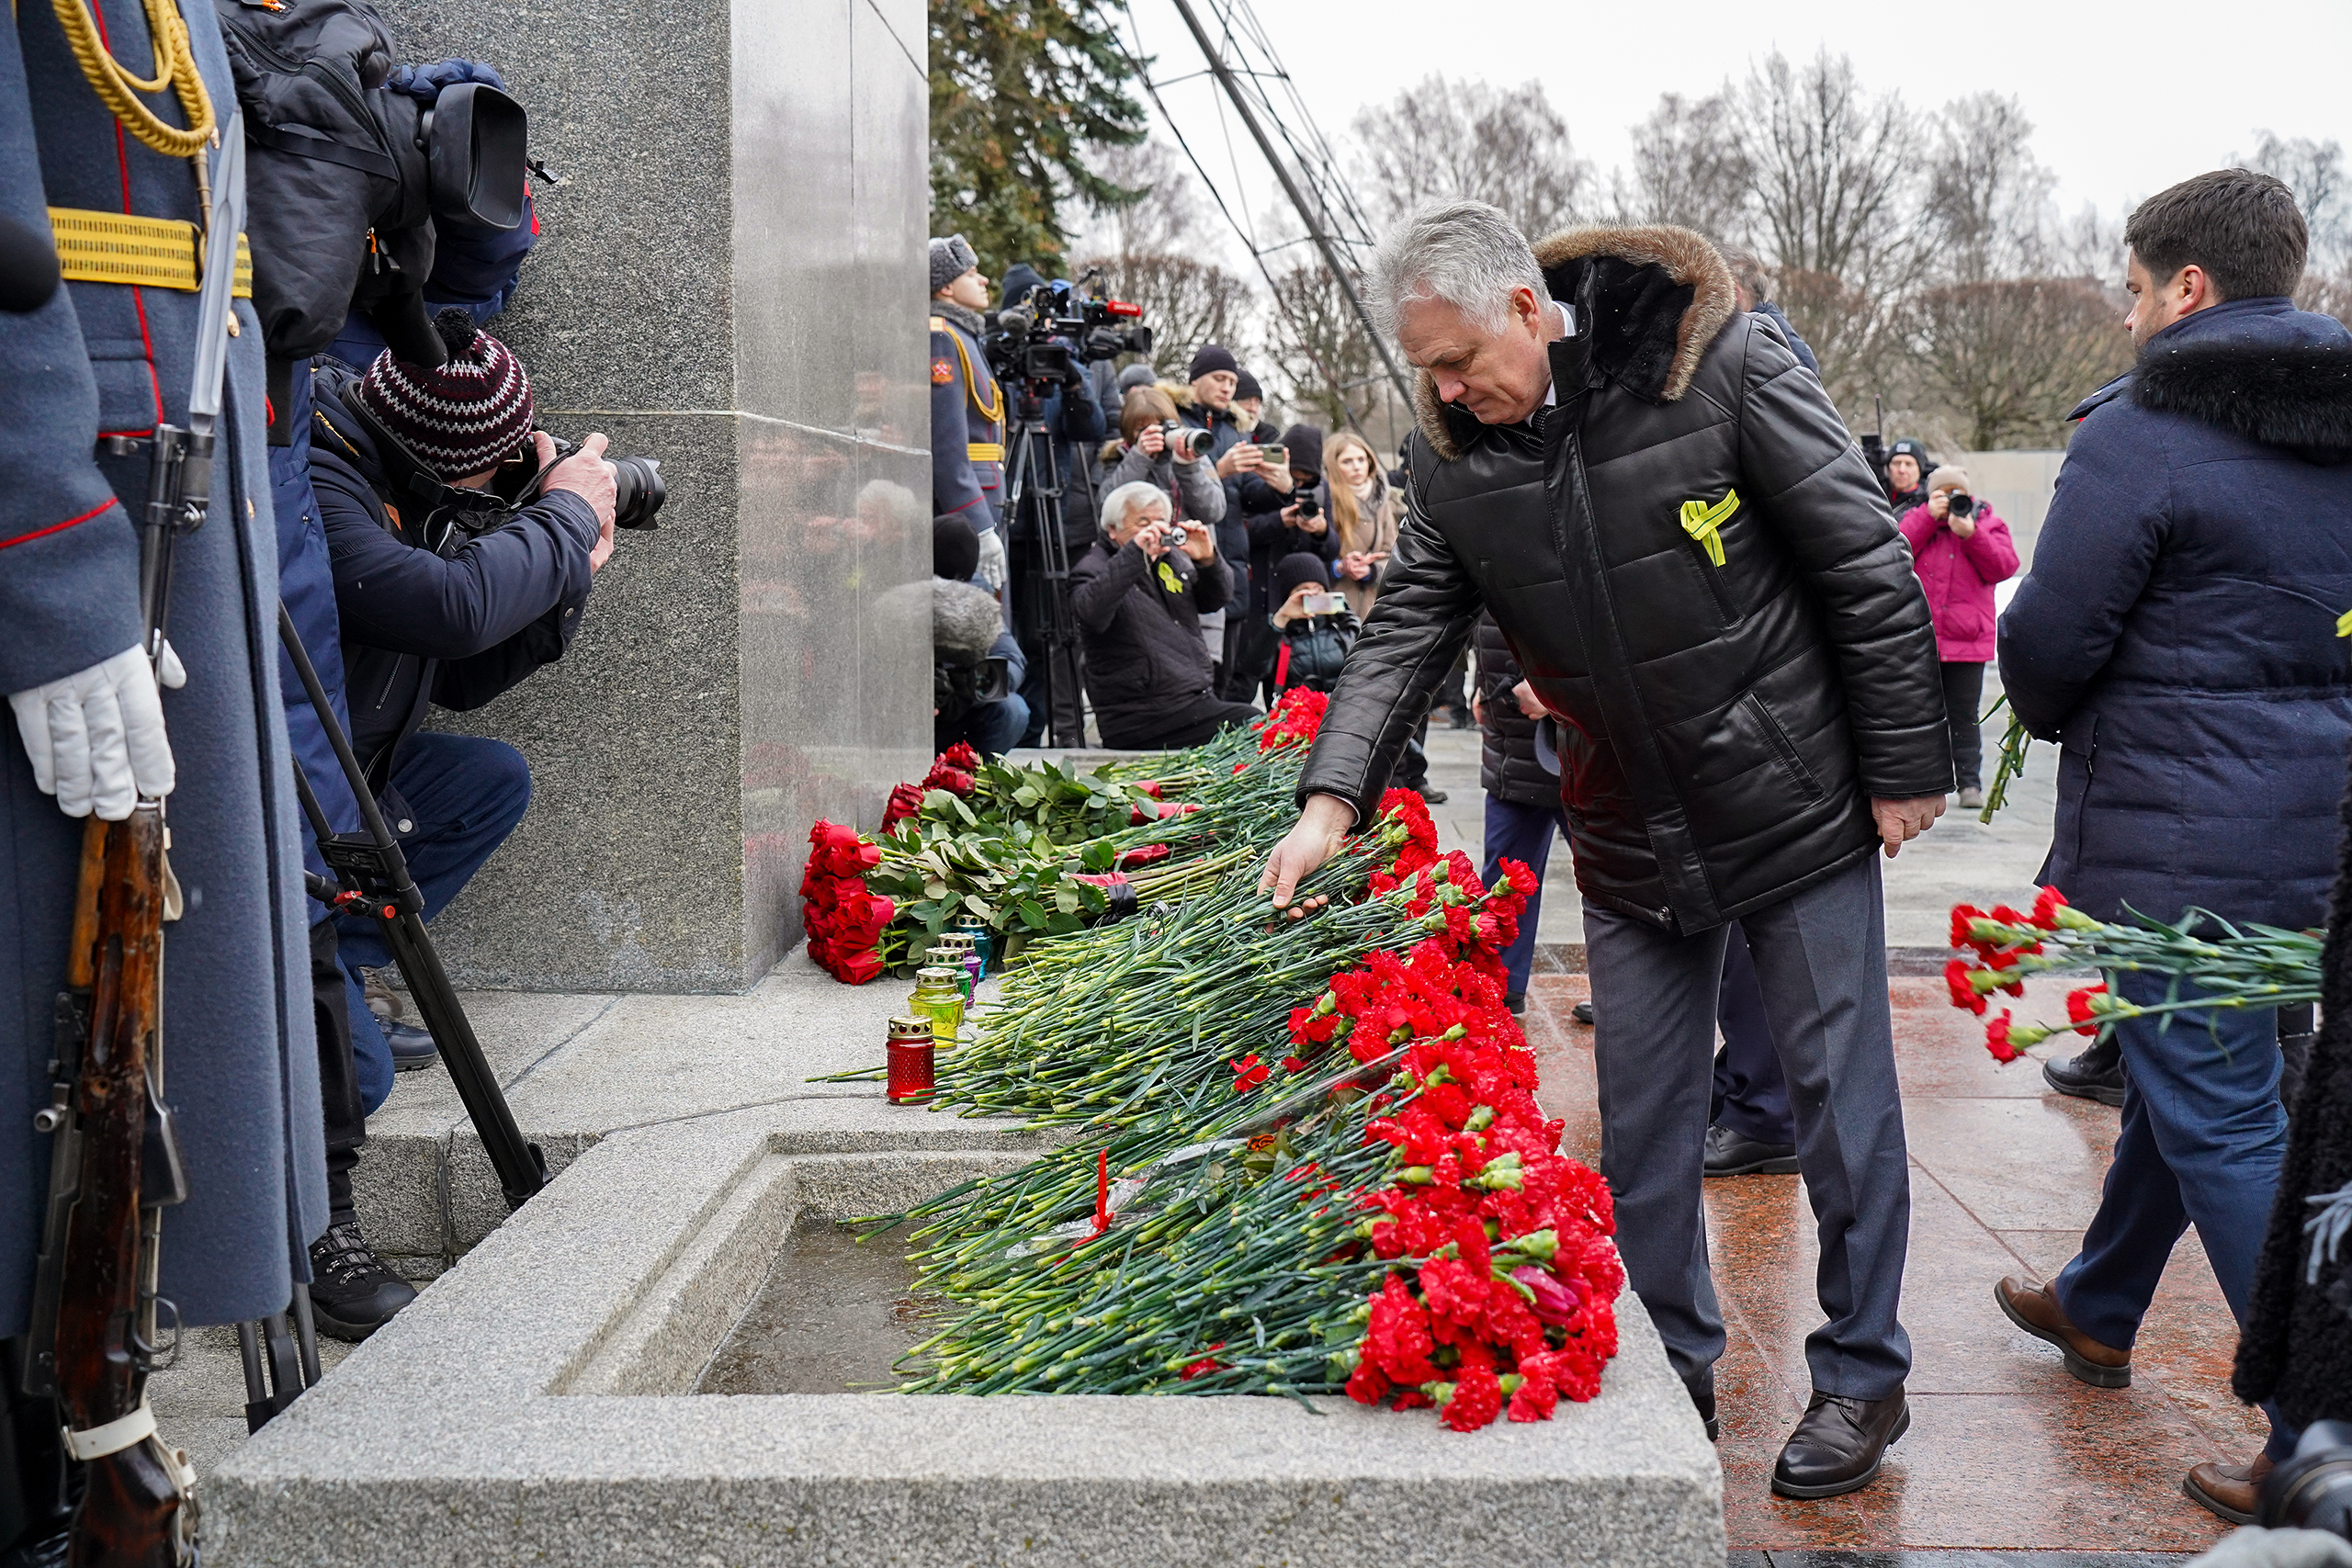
{"x": 111, "y": 122}
{"x": 967, "y": 404}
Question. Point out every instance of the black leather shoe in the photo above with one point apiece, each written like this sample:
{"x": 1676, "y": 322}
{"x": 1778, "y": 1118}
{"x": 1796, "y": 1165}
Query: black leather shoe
{"x": 412, "y": 1047}
{"x": 1734, "y": 1153}
{"x": 1581, "y": 1012}
{"x": 352, "y": 1293}
{"x": 1840, "y": 1444}
{"x": 2097, "y": 1073}
{"x": 1516, "y": 1001}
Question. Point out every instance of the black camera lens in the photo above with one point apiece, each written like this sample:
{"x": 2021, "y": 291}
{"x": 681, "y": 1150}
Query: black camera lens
{"x": 638, "y": 492}
{"x": 2311, "y": 1491}
{"x": 1961, "y": 503}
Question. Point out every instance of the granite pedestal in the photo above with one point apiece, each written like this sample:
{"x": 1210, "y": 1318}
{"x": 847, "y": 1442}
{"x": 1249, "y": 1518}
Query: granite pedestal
{"x": 731, "y": 278}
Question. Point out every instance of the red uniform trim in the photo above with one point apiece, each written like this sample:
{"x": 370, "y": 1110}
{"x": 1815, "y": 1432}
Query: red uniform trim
{"x": 56, "y": 527}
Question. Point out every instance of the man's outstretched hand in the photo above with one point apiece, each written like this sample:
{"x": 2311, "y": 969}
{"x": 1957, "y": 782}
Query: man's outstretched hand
{"x": 1900, "y": 821}
{"x": 1323, "y": 823}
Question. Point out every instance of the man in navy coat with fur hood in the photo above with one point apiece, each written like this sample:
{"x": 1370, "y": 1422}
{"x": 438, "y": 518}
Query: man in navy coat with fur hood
{"x": 2178, "y": 637}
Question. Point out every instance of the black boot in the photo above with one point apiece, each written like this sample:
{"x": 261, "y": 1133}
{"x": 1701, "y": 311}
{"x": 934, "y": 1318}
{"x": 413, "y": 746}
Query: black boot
{"x": 2097, "y": 1073}
{"x": 352, "y": 1292}
{"x": 1838, "y": 1444}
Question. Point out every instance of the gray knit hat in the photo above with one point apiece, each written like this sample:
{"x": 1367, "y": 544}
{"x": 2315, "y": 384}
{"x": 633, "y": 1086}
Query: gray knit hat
{"x": 951, "y": 258}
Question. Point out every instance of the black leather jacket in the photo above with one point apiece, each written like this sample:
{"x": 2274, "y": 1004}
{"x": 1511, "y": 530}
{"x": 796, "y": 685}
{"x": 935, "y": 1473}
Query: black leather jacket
{"x": 1723, "y": 728}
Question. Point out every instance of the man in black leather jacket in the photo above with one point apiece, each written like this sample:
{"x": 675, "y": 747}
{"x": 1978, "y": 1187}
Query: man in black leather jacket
{"x": 1694, "y": 568}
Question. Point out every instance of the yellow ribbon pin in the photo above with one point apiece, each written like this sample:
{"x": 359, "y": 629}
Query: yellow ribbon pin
{"x": 1703, "y": 523}
{"x": 2343, "y": 624}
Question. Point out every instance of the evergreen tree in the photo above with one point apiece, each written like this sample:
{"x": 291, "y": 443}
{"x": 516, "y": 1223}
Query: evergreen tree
{"x": 1020, "y": 90}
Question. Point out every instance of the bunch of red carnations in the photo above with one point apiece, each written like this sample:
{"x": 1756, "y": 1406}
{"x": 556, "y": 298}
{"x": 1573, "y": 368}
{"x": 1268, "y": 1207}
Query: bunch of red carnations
{"x": 1505, "y": 1279}
{"x": 845, "y": 921}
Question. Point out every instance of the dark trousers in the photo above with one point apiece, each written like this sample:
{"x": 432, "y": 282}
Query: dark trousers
{"x": 991, "y": 728}
{"x": 1188, "y": 723}
{"x": 2202, "y": 1140}
{"x": 1031, "y": 623}
{"x": 1963, "y": 702}
{"x": 1821, "y": 965}
{"x": 339, "y": 1095}
{"x": 1522, "y": 833}
{"x": 1752, "y": 1096}
{"x": 460, "y": 796}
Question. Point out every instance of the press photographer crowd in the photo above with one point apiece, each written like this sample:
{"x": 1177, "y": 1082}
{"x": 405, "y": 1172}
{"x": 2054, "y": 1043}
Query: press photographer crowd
{"x": 278, "y": 492}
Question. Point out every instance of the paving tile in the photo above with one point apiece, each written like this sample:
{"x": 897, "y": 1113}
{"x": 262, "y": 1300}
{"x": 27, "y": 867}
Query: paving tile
{"x": 2016, "y": 1164}
{"x": 1939, "y": 1049}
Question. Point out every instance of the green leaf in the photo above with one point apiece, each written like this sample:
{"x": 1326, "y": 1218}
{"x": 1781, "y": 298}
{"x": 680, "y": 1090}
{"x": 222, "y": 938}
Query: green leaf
{"x": 1098, "y": 855}
{"x": 1034, "y": 914}
{"x": 1066, "y": 901}
{"x": 935, "y": 888}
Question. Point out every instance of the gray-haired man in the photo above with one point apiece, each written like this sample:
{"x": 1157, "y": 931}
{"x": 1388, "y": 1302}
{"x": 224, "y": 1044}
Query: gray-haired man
{"x": 1699, "y": 579}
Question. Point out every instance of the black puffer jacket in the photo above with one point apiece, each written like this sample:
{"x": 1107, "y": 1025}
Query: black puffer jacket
{"x": 1140, "y": 622}
{"x": 1507, "y": 765}
{"x": 1725, "y": 728}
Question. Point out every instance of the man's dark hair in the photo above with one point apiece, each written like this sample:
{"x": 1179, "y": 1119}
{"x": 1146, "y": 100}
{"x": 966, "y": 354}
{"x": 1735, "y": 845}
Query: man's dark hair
{"x": 2241, "y": 227}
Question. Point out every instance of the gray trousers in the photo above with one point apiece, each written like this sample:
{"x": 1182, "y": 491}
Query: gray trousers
{"x": 1821, "y": 960}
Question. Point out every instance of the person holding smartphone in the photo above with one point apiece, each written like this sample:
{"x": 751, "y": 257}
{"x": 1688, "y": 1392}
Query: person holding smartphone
{"x": 1313, "y": 621}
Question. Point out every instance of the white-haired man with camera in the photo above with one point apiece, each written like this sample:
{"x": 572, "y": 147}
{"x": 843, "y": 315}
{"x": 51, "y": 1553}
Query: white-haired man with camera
{"x": 1139, "y": 593}
{"x": 1696, "y": 571}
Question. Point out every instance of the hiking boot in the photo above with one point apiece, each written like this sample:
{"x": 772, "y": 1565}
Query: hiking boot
{"x": 352, "y": 1293}
{"x": 2097, "y": 1073}
{"x": 412, "y": 1047}
{"x": 2035, "y": 1309}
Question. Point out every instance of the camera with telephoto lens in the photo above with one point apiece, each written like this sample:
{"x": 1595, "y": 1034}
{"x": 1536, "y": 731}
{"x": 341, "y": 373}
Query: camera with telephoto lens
{"x": 1306, "y": 505}
{"x": 1041, "y": 339}
{"x": 1186, "y": 443}
{"x": 1960, "y": 504}
{"x": 638, "y": 489}
{"x": 2312, "y": 1491}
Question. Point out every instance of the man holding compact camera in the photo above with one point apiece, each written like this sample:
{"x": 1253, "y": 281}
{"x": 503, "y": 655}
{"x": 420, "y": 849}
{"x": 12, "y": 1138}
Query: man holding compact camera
{"x": 1139, "y": 593}
{"x": 462, "y": 552}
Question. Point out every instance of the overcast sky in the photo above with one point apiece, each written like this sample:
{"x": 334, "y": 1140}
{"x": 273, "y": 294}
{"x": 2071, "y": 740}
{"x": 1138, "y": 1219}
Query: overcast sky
{"x": 2125, "y": 100}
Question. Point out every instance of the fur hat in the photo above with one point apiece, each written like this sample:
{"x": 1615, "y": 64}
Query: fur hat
{"x": 1209, "y": 358}
{"x": 462, "y": 417}
{"x": 1950, "y": 476}
{"x": 951, "y": 258}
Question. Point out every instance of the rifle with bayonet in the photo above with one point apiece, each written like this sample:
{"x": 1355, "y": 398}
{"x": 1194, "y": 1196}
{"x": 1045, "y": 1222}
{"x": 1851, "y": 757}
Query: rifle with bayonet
{"x": 114, "y": 1156}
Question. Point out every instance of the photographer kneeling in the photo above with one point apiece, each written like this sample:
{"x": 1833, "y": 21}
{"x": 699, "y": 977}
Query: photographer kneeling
{"x": 1139, "y": 593}
{"x": 448, "y": 594}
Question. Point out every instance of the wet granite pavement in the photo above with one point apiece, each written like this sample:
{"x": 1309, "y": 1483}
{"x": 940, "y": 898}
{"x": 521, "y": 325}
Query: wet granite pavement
{"x": 2008, "y": 1454}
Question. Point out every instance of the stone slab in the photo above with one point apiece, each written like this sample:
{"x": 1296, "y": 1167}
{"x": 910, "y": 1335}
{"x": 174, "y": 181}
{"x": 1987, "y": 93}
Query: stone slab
{"x": 448, "y": 1433}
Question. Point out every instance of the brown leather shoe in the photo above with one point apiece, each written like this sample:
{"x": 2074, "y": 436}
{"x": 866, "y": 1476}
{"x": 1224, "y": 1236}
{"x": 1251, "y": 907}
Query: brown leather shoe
{"x": 1838, "y": 1444}
{"x": 2034, "y": 1309}
{"x": 2230, "y": 1490}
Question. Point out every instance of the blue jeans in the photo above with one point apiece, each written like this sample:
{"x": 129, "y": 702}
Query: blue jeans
{"x": 1523, "y": 833}
{"x": 992, "y": 728}
{"x": 460, "y": 796}
{"x": 2203, "y": 1138}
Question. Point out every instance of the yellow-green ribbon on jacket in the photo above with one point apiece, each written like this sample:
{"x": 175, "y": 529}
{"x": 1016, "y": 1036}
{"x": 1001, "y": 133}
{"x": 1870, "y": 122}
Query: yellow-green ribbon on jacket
{"x": 2343, "y": 624}
{"x": 1703, "y": 523}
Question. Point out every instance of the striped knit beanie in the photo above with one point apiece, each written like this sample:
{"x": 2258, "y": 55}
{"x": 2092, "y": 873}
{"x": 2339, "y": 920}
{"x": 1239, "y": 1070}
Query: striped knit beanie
{"x": 460, "y": 418}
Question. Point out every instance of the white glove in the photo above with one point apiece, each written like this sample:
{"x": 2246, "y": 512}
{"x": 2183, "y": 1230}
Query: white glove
{"x": 991, "y": 569}
{"x": 97, "y": 738}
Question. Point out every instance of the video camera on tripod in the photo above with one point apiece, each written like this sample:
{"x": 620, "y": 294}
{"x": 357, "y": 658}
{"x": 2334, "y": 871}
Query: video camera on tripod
{"x": 1043, "y": 340}
{"x": 1038, "y": 347}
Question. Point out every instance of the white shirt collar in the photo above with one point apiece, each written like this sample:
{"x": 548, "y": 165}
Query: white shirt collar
{"x": 1569, "y": 329}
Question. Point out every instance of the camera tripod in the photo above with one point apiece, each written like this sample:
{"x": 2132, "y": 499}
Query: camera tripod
{"x": 1033, "y": 474}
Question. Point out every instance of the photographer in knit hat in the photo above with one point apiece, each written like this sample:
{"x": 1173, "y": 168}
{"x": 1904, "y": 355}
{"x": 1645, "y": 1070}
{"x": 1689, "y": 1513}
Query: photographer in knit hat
{"x": 447, "y": 595}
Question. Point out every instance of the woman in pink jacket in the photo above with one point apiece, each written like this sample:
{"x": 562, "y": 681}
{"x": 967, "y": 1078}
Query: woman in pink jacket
{"x": 1960, "y": 550}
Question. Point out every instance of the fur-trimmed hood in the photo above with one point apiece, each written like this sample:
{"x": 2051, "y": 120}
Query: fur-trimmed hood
{"x": 2296, "y": 396}
{"x": 1649, "y": 301}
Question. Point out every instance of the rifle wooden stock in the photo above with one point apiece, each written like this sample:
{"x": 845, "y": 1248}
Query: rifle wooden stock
{"x": 127, "y": 1515}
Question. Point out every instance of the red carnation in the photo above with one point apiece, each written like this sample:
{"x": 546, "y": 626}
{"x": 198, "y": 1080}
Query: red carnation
{"x": 1963, "y": 994}
{"x": 2079, "y": 1007}
{"x": 1997, "y": 1038}
{"x": 1477, "y": 1399}
{"x": 2046, "y": 907}
{"x": 1248, "y": 1073}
